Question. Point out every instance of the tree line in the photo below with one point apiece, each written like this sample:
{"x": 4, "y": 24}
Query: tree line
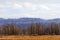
{"x": 32, "y": 29}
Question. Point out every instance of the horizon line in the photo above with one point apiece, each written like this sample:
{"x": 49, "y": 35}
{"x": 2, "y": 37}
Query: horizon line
{"x": 28, "y": 17}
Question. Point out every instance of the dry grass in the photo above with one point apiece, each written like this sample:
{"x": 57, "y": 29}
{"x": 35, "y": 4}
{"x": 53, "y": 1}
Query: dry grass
{"x": 30, "y": 37}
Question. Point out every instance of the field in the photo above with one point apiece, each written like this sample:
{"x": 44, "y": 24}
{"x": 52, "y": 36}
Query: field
{"x": 30, "y": 37}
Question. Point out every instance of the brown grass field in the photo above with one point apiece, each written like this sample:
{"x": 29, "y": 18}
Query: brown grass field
{"x": 45, "y": 37}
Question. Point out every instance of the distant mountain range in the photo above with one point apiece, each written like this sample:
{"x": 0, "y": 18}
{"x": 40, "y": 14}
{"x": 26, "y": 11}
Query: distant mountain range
{"x": 25, "y": 21}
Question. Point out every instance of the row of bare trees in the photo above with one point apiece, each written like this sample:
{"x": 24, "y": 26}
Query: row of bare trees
{"x": 32, "y": 29}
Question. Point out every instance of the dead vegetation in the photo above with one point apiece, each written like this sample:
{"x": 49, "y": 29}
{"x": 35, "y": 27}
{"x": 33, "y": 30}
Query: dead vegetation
{"x": 45, "y": 37}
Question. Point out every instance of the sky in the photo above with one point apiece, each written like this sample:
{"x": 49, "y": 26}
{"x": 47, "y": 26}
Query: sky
{"x": 45, "y": 9}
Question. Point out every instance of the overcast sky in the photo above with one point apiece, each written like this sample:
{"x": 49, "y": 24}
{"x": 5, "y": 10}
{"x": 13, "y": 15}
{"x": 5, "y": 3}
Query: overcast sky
{"x": 45, "y": 9}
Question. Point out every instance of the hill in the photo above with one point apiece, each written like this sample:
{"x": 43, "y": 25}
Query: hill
{"x": 25, "y": 21}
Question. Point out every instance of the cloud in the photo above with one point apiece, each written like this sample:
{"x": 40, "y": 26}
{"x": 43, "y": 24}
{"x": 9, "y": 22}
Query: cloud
{"x": 44, "y": 7}
{"x": 30, "y": 8}
{"x": 1, "y": 5}
{"x": 17, "y": 6}
{"x": 30, "y": 5}
{"x": 25, "y": 5}
{"x": 35, "y": 6}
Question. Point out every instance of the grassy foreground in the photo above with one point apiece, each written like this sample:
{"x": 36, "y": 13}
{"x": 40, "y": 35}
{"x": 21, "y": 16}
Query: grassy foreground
{"x": 46, "y": 37}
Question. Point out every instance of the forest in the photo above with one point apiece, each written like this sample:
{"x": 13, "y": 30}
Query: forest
{"x": 32, "y": 29}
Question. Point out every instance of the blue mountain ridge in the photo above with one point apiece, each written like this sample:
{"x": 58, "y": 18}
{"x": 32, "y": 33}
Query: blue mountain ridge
{"x": 25, "y": 21}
